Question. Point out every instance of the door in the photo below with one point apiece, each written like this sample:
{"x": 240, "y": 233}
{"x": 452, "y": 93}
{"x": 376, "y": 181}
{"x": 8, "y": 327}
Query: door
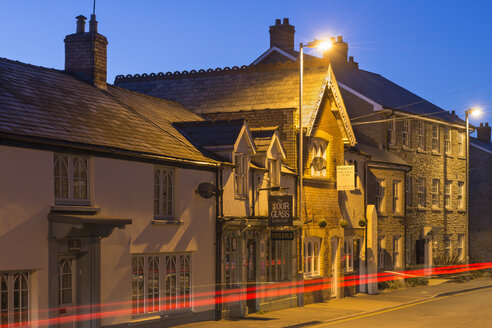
{"x": 251, "y": 275}
{"x": 334, "y": 267}
{"x": 356, "y": 249}
{"x": 67, "y": 291}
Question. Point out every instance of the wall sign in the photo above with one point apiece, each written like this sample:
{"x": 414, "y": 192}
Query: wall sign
{"x": 345, "y": 177}
{"x": 280, "y": 210}
{"x": 74, "y": 245}
{"x": 282, "y": 235}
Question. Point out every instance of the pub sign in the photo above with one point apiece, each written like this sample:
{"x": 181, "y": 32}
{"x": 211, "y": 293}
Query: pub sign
{"x": 280, "y": 210}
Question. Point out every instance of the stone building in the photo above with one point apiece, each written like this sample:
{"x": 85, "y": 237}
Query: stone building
{"x": 267, "y": 96}
{"x": 481, "y": 195}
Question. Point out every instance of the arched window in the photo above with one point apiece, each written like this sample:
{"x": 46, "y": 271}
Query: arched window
{"x": 312, "y": 247}
{"x": 71, "y": 179}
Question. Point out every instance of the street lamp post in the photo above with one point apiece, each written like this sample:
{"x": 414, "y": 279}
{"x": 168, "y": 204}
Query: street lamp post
{"x": 474, "y": 112}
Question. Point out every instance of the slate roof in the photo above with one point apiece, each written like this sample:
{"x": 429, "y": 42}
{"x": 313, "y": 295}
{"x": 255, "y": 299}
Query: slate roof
{"x": 481, "y": 144}
{"x": 48, "y": 104}
{"x": 263, "y": 137}
{"x": 381, "y": 155}
{"x": 389, "y": 94}
{"x": 211, "y": 133}
{"x": 266, "y": 86}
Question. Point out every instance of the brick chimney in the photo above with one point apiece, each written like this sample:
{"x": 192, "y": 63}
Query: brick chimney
{"x": 282, "y": 35}
{"x": 338, "y": 53}
{"x": 86, "y": 53}
{"x": 483, "y": 132}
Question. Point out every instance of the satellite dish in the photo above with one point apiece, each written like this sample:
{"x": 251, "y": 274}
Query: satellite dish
{"x": 319, "y": 163}
{"x": 206, "y": 190}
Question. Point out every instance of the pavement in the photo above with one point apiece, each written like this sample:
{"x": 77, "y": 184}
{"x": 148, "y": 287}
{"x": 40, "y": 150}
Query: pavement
{"x": 348, "y": 307}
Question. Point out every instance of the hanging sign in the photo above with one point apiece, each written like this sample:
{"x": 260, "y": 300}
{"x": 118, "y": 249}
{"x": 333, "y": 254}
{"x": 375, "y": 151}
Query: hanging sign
{"x": 280, "y": 210}
{"x": 345, "y": 177}
{"x": 282, "y": 235}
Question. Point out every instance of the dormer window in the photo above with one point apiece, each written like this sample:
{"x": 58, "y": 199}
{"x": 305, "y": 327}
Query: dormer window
{"x": 241, "y": 175}
{"x": 318, "y": 158}
{"x": 273, "y": 172}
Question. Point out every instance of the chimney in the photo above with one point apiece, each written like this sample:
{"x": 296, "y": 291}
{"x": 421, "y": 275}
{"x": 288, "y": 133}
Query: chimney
{"x": 339, "y": 52}
{"x": 282, "y": 35}
{"x": 86, "y": 53}
{"x": 483, "y": 132}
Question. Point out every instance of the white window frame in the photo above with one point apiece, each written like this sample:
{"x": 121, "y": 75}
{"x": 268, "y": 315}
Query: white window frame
{"x": 380, "y": 195}
{"x": 311, "y": 260}
{"x": 381, "y": 249}
{"x": 319, "y": 148}
{"x": 273, "y": 172}
{"x": 447, "y": 141}
{"x": 461, "y": 195}
{"x": 173, "y": 292}
{"x": 241, "y": 172}
{"x": 396, "y": 252}
{"x": 10, "y": 292}
{"x": 391, "y": 131}
{"x": 448, "y": 185}
{"x": 164, "y": 178}
{"x": 72, "y": 180}
{"x": 461, "y": 141}
{"x": 405, "y": 133}
{"x": 421, "y": 192}
{"x": 436, "y": 186}
{"x": 435, "y": 138}
{"x": 421, "y": 135}
{"x": 396, "y": 185}
{"x": 408, "y": 191}
{"x": 348, "y": 252}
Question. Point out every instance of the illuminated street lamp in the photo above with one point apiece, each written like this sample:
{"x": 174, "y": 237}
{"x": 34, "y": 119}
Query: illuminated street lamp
{"x": 473, "y": 112}
{"x": 324, "y": 46}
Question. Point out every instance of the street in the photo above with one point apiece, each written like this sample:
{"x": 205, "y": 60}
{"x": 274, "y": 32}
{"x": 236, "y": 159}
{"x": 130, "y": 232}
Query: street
{"x": 461, "y": 310}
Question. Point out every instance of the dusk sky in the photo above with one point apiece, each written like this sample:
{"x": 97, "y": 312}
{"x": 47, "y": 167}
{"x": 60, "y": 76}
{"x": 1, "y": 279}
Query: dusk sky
{"x": 440, "y": 50}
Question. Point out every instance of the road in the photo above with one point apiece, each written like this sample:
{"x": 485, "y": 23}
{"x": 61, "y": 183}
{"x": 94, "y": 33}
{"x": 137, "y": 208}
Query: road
{"x": 471, "y": 309}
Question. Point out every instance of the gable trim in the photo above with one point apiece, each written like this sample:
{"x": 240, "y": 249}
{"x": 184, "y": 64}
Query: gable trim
{"x": 269, "y": 51}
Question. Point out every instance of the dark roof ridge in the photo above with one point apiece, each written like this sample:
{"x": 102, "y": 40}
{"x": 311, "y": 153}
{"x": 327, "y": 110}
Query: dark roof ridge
{"x": 33, "y": 66}
{"x": 217, "y": 71}
{"x": 209, "y": 122}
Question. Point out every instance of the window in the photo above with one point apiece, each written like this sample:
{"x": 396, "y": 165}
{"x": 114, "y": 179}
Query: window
{"x": 396, "y": 197}
{"x": 461, "y": 193}
{"x": 348, "y": 255}
{"x": 447, "y": 141}
{"x": 318, "y": 158}
{"x": 406, "y": 133}
{"x": 14, "y": 298}
{"x": 421, "y": 192}
{"x": 396, "y": 252}
{"x": 66, "y": 272}
{"x": 435, "y": 138}
{"x": 163, "y": 192}
{"x": 161, "y": 282}
{"x": 391, "y": 131}
{"x": 447, "y": 246}
{"x": 273, "y": 173}
{"x": 435, "y": 193}
{"x": 311, "y": 256}
{"x": 380, "y": 186}
{"x": 381, "y": 252}
{"x": 421, "y": 135}
{"x": 71, "y": 179}
{"x": 409, "y": 249}
{"x": 241, "y": 175}
{"x": 278, "y": 259}
{"x": 230, "y": 260}
{"x": 461, "y": 246}
{"x": 461, "y": 141}
{"x": 447, "y": 194}
{"x": 408, "y": 191}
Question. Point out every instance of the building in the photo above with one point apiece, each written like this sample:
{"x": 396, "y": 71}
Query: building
{"x": 480, "y": 194}
{"x": 100, "y": 220}
{"x": 267, "y": 96}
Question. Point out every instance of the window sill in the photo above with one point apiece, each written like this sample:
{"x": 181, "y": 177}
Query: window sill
{"x": 461, "y": 210}
{"x": 449, "y": 155}
{"x": 422, "y": 151}
{"x": 406, "y": 148}
{"x": 166, "y": 221}
{"x": 436, "y": 209}
{"x": 398, "y": 215}
{"x": 240, "y": 197}
{"x": 449, "y": 209}
{"x": 422, "y": 208}
{"x": 76, "y": 208}
{"x": 311, "y": 277}
{"x": 435, "y": 153}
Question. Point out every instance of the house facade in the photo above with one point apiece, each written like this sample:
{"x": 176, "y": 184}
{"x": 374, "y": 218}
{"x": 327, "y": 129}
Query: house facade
{"x": 100, "y": 219}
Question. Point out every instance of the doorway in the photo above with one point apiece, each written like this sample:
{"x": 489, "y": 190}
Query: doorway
{"x": 67, "y": 291}
{"x": 334, "y": 267}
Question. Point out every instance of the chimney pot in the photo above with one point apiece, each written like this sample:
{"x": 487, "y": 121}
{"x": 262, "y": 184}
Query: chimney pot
{"x": 453, "y": 112}
{"x": 351, "y": 59}
{"x": 481, "y": 125}
{"x": 486, "y": 123}
{"x": 332, "y": 39}
{"x": 93, "y": 24}
{"x": 483, "y": 132}
{"x": 80, "y": 24}
{"x": 277, "y": 21}
{"x": 339, "y": 38}
{"x": 286, "y": 21}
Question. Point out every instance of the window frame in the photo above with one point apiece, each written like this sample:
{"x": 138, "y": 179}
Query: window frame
{"x": 461, "y": 195}
{"x": 68, "y": 160}
{"x": 447, "y": 245}
{"x": 380, "y": 195}
{"x": 380, "y": 253}
{"x": 420, "y": 135}
{"x": 274, "y": 172}
{"x": 173, "y": 294}
{"x": 391, "y": 131}
{"x": 162, "y": 173}
{"x": 278, "y": 256}
{"x": 460, "y": 246}
{"x": 348, "y": 254}
{"x": 408, "y": 191}
{"x": 15, "y": 315}
{"x": 241, "y": 175}
{"x": 421, "y": 192}
{"x": 448, "y": 145}
{"x": 448, "y": 186}
{"x": 319, "y": 148}
{"x": 405, "y": 133}
{"x": 312, "y": 268}
{"x": 397, "y": 252}
{"x": 231, "y": 260}
{"x": 435, "y": 138}
{"x": 435, "y": 192}
{"x": 397, "y": 199}
{"x": 461, "y": 142}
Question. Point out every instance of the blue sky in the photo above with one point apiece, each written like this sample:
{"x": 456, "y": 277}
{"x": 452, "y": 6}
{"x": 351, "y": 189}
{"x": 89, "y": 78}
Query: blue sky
{"x": 440, "y": 50}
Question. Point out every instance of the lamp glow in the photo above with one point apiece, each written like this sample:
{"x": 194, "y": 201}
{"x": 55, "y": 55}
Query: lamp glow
{"x": 324, "y": 45}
